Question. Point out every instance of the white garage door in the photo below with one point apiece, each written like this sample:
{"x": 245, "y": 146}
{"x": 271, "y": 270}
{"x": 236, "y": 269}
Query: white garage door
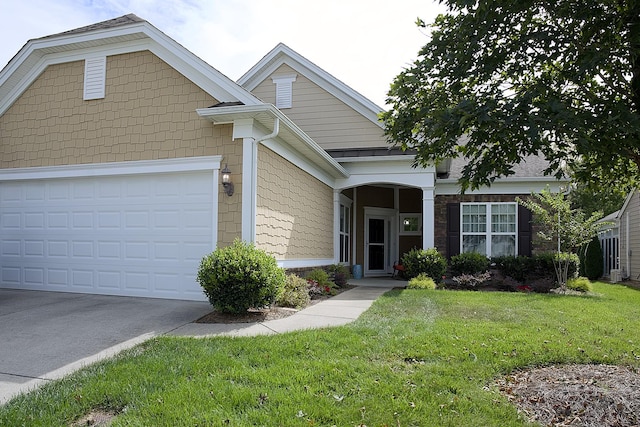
{"x": 136, "y": 235}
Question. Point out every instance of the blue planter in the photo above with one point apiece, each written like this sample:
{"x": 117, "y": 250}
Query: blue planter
{"x": 357, "y": 271}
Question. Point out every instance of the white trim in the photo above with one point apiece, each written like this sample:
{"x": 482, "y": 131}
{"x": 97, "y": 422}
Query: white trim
{"x": 524, "y": 185}
{"x": 428, "y": 218}
{"x": 37, "y": 54}
{"x": 184, "y": 164}
{"x": 302, "y": 263}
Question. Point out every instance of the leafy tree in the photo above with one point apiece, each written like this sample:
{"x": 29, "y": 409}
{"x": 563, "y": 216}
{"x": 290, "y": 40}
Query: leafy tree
{"x": 605, "y": 198}
{"x": 501, "y": 80}
{"x": 562, "y": 224}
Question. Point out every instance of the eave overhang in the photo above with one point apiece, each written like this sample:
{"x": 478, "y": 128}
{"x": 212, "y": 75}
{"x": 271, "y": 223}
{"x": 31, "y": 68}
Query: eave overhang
{"x": 290, "y": 133}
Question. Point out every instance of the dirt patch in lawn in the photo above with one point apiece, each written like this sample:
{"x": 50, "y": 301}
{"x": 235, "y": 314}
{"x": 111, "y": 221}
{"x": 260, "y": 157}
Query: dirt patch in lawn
{"x": 96, "y": 418}
{"x": 262, "y": 315}
{"x": 576, "y": 395}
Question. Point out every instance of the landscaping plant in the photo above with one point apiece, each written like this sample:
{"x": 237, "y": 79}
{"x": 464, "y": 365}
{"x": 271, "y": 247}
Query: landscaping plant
{"x": 319, "y": 284}
{"x": 427, "y": 261}
{"x": 469, "y": 263}
{"x": 421, "y": 281}
{"x": 339, "y": 274}
{"x": 241, "y": 276}
{"x": 295, "y": 293}
{"x": 568, "y": 228}
{"x": 591, "y": 260}
{"x": 580, "y": 284}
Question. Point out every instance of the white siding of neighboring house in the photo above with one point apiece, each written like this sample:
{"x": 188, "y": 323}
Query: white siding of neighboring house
{"x": 630, "y": 237}
{"x": 329, "y": 121}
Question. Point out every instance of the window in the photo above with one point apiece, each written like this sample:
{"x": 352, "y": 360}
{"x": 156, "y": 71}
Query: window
{"x": 345, "y": 233}
{"x": 489, "y": 228}
{"x": 410, "y": 224}
{"x": 284, "y": 91}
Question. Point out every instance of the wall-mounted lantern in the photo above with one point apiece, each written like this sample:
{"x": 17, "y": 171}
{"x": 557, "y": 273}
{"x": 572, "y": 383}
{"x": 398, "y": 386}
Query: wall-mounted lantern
{"x": 226, "y": 180}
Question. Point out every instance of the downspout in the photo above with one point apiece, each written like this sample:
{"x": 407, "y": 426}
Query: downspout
{"x": 276, "y": 130}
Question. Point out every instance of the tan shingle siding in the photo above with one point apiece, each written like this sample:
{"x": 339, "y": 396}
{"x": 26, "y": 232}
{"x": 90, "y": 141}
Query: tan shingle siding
{"x": 148, "y": 113}
{"x": 326, "y": 119}
{"x": 294, "y": 210}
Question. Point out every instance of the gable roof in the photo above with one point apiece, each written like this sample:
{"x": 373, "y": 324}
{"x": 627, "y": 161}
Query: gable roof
{"x": 124, "y": 34}
{"x": 282, "y": 54}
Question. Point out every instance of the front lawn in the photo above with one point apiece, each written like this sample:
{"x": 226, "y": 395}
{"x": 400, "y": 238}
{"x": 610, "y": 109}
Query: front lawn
{"x": 416, "y": 358}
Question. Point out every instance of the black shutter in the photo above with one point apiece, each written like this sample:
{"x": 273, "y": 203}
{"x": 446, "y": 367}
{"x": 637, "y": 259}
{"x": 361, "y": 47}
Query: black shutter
{"x": 525, "y": 231}
{"x": 453, "y": 229}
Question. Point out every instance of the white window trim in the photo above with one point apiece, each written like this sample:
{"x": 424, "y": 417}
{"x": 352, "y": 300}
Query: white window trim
{"x": 345, "y": 203}
{"x": 404, "y": 216}
{"x": 284, "y": 90}
{"x": 488, "y": 233}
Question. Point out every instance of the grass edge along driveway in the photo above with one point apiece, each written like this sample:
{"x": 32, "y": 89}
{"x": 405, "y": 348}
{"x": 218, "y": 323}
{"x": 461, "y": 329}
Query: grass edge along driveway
{"x": 414, "y": 358}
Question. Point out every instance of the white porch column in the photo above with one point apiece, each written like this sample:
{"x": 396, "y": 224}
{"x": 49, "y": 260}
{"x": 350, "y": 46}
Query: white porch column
{"x": 249, "y": 188}
{"x": 336, "y": 226}
{"x": 428, "y": 218}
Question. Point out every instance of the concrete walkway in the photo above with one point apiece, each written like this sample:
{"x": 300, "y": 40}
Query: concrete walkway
{"x": 339, "y": 310}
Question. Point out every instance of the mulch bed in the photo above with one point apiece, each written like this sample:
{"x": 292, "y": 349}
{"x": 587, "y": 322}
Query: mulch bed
{"x": 264, "y": 314}
{"x": 576, "y": 395}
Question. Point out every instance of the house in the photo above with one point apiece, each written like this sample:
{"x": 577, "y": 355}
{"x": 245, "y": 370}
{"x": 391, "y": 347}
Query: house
{"x": 113, "y": 138}
{"x": 621, "y": 239}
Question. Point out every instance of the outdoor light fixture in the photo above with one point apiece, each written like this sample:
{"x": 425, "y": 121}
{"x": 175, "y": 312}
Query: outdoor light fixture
{"x": 226, "y": 180}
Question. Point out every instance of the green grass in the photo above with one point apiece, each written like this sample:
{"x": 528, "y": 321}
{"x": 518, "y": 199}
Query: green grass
{"x": 415, "y": 358}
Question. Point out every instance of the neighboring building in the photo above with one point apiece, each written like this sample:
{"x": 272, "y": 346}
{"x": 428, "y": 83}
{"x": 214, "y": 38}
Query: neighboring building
{"x": 113, "y": 137}
{"x": 626, "y": 234}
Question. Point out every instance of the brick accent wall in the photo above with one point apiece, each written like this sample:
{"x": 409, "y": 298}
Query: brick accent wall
{"x": 294, "y": 218}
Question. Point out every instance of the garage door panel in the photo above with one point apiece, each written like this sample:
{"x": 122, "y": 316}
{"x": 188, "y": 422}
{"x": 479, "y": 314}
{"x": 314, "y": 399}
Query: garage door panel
{"x": 140, "y": 235}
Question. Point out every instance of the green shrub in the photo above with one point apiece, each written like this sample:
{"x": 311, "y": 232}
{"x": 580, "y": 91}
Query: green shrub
{"x": 468, "y": 263}
{"x": 580, "y": 284}
{"x": 591, "y": 261}
{"x": 427, "y": 261}
{"x": 421, "y": 281}
{"x": 295, "y": 293}
{"x": 339, "y": 274}
{"x": 518, "y": 268}
{"x": 238, "y": 277}
{"x": 544, "y": 263}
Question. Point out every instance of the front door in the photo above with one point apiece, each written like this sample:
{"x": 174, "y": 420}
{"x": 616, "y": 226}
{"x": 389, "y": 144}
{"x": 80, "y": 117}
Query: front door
{"x": 378, "y": 243}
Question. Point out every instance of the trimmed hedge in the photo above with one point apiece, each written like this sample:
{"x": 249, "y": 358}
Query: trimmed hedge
{"x": 239, "y": 277}
{"x": 469, "y": 263}
{"x": 427, "y": 261}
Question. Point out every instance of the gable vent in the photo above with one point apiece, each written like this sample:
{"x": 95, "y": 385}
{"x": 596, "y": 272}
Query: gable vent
{"x": 284, "y": 91}
{"x": 95, "y": 74}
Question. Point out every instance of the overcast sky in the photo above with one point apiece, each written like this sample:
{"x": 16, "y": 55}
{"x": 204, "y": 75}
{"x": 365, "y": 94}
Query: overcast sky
{"x": 364, "y": 43}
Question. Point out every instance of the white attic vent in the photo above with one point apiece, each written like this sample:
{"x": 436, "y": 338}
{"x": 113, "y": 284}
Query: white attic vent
{"x": 284, "y": 90}
{"x": 95, "y": 74}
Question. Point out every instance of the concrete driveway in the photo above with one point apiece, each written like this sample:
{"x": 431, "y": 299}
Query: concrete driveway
{"x": 45, "y": 335}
